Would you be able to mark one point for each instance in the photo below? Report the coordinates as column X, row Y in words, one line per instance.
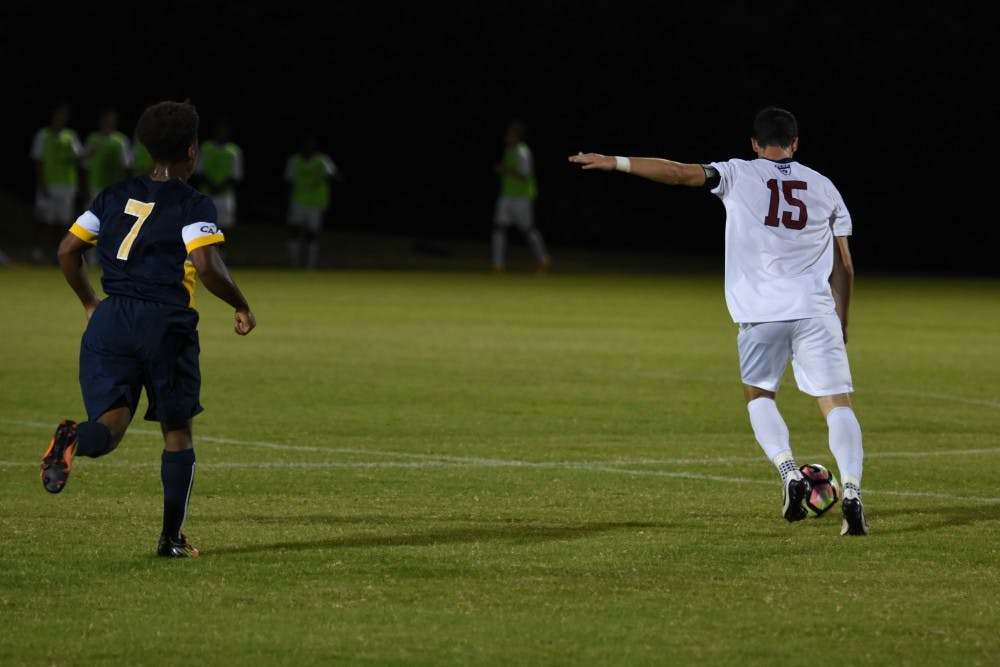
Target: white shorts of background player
column 57, row 207
column 517, row 211
column 225, row 205
column 815, row 346
column 308, row 218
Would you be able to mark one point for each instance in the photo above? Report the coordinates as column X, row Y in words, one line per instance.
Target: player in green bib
column 142, row 161
column 56, row 152
column 220, row 169
column 108, row 155
column 515, row 205
column 309, row 172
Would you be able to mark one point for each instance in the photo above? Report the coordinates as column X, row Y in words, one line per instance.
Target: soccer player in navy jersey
column 154, row 234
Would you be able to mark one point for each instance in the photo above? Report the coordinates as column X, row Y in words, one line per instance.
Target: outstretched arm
column 214, row 274
column 655, row 169
column 74, row 269
column 842, row 280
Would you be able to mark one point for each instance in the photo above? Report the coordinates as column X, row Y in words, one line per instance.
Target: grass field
column 419, row 468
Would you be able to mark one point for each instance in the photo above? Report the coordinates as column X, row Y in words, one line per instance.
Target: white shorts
column 309, row 218
column 815, row 346
column 225, row 206
column 57, row 207
column 514, row 211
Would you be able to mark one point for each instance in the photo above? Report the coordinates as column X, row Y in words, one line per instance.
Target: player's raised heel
column 173, row 548
column 854, row 517
column 58, row 458
column 794, row 508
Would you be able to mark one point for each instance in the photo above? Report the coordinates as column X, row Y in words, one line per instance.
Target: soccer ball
column 824, row 490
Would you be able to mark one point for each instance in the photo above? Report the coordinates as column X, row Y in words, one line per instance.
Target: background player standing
column 789, row 279
column 108, row 155
column 220, row 165
column 56, row 152
column 516, row 202
column 142, row 161
column 154, row 233
column 309, row 172
column 107, row 160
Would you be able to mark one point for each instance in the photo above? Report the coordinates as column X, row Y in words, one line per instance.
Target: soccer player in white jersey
column 789, row 279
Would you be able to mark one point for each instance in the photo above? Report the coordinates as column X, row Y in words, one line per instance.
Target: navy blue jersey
column 144, row 231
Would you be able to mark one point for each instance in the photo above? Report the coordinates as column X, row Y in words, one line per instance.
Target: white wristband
column 623, row 164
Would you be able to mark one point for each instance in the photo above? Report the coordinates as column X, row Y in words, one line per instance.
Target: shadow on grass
column 920, row 519
column 512, row 533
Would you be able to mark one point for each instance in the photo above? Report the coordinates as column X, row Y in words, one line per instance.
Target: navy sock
column 93, row 439
column 177, row 474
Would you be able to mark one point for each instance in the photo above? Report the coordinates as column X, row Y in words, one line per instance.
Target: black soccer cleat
column 173, row 548
column 854, row 517
column 795, row 492
column 58, row 458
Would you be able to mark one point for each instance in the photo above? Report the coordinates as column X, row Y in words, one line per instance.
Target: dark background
column 411, row 99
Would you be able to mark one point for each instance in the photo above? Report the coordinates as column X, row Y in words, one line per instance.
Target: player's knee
column 177, row 435
column 751, row 393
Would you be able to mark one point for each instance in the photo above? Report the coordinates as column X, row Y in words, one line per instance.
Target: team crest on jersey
column 785, row 169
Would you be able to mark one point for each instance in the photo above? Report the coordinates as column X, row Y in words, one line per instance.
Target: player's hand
column 245, row 321
column 594, row 161
column 90, row 308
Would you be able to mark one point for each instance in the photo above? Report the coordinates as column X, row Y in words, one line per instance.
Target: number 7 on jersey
column 141, row 210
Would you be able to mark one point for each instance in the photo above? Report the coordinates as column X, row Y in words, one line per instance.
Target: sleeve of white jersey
column 88, row 151
column 237, row 164
column 77, row 146
column 726, row 175
column 524, row 162
column 840, row 219
column 126, row 153
column 38, row 146
column 329, row 166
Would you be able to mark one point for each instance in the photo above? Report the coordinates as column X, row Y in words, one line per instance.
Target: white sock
column 499, row 247
column 312, row 254
column 537, row 245
column 772, row 435
column 294, row 252
column 845, row 443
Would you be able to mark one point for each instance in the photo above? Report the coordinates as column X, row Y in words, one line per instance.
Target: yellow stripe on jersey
column 83, row 234
column 202, row 241
column 188, row 281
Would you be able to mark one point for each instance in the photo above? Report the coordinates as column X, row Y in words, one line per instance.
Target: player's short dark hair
column 520, row 127
column 775, row 127
column 167, row 130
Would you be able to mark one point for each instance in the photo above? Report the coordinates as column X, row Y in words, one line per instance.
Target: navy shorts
column 130, row 344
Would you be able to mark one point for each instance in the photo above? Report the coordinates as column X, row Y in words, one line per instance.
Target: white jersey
column 781, row 218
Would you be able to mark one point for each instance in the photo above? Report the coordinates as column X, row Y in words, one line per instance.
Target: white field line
column 508, row 463
column 941, row 397
column 429, row 461
column 424, row 465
